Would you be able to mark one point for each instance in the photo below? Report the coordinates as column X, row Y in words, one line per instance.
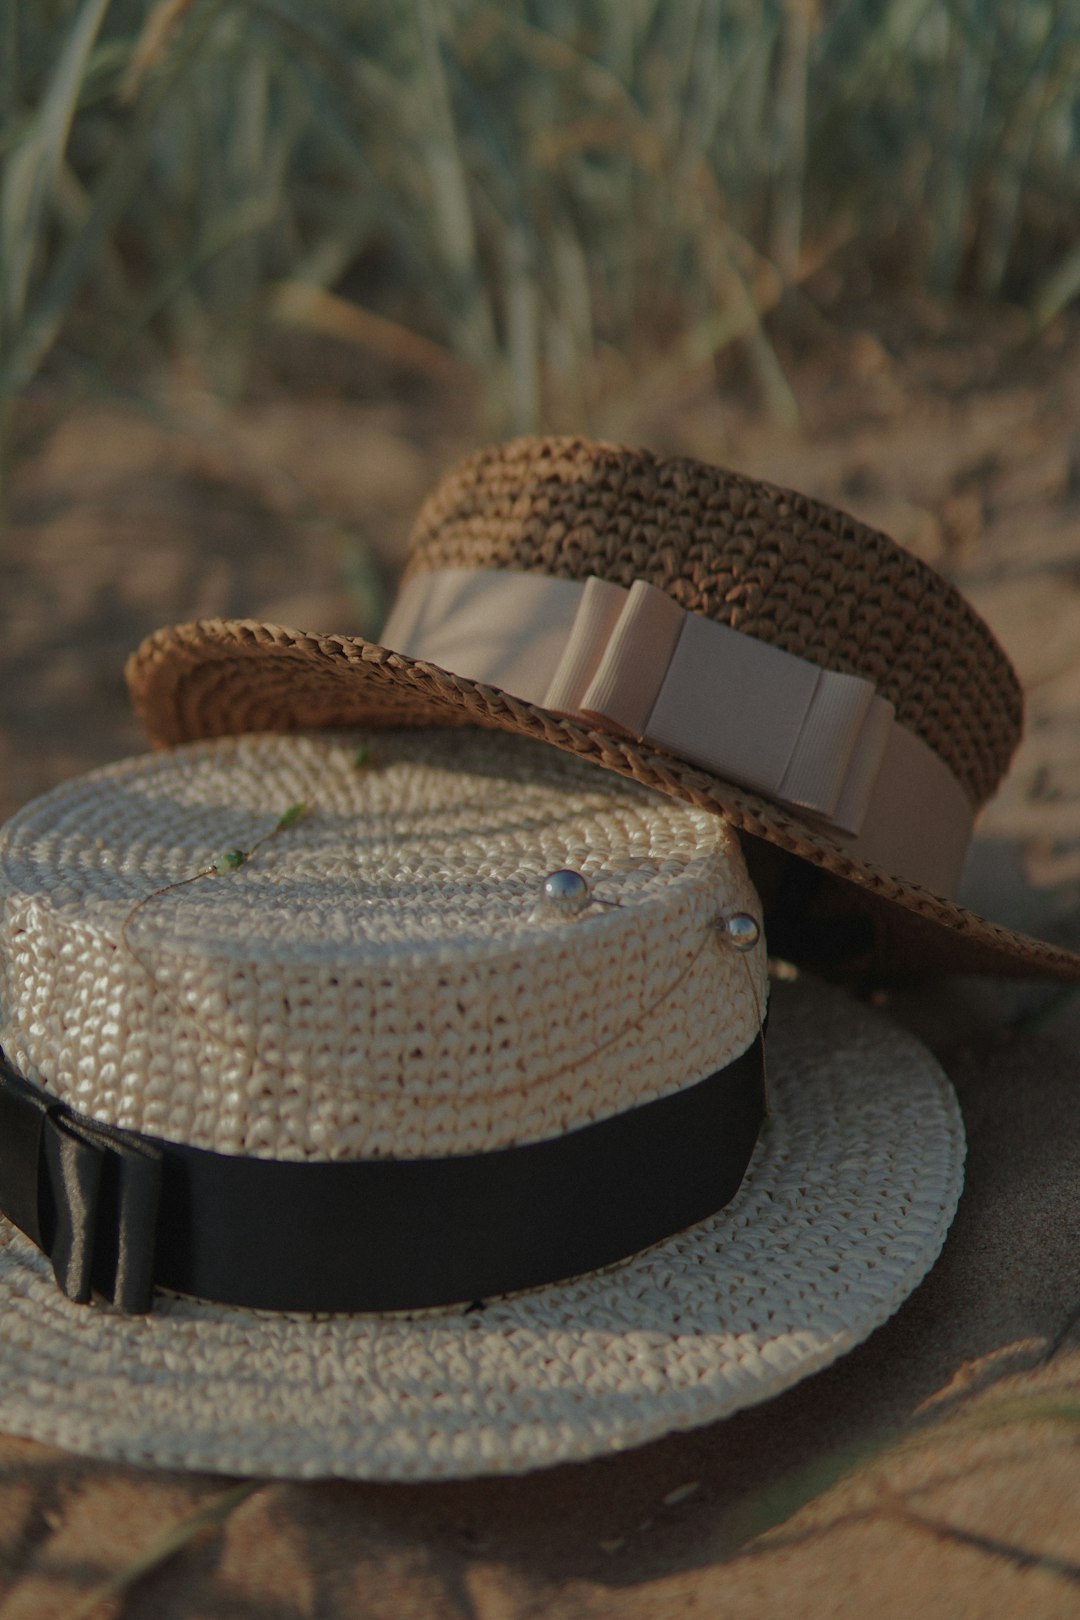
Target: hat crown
column 382, row 979
column 777, row 565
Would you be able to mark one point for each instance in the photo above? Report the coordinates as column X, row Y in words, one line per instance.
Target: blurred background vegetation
column 560, row 198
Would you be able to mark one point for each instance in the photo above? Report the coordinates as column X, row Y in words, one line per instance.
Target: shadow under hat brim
column 217, row 678
column 844, row 1209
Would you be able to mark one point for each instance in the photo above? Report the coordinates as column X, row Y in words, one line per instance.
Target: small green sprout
column 235, row 858
column 230, row 860
column 361, row 756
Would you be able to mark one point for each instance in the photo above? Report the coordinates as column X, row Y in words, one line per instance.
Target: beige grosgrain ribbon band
column 635, row 662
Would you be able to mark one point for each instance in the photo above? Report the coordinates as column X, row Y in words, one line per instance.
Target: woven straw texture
column 383, row 976
column 771, row 563
column 767, row 561
column 843, row 1211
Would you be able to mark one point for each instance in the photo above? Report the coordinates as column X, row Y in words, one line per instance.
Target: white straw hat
column 438, row 1095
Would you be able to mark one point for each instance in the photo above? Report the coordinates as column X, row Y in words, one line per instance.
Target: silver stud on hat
column 742, row 930
column 568, row 893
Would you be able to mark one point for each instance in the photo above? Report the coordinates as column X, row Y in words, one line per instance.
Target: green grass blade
column 32, row 166
column 31, row 342
column 165, row 1546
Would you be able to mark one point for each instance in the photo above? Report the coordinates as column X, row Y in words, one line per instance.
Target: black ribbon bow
column 85, row 1193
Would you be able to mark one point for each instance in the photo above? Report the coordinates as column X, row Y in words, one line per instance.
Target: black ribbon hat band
column 120, row 1214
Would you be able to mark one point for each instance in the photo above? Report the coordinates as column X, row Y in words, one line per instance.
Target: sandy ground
column 963, row 441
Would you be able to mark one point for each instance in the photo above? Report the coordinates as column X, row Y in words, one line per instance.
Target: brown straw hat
column 736, row 645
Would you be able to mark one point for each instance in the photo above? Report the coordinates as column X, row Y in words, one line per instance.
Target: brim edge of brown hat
column 225, row 652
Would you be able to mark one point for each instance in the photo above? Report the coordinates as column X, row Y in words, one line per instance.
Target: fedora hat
column 394, row 1112
column 735, row 645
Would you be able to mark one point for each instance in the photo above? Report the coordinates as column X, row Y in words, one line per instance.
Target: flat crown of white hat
column 382, row 977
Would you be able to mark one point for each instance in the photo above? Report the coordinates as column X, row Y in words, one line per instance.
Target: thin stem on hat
column 569, row 1068
column 230, row 860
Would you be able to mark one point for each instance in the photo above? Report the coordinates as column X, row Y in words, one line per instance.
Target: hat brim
column 217, row 678
column 844, row 1209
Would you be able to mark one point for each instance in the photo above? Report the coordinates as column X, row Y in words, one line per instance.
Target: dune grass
column 557, row 195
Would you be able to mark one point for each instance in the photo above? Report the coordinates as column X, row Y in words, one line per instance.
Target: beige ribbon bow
column 634, row 661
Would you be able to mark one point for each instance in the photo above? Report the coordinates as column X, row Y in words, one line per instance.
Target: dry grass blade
column 1029, row 1409
column 296, row 303
column 165, row 1546
column 773, row 1505
column 152, row 43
